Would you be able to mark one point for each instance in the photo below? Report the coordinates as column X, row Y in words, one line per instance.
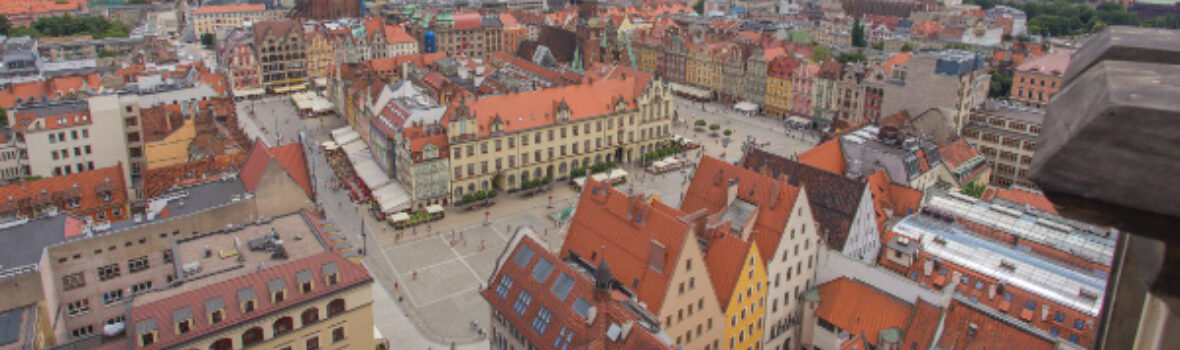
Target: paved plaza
column 429, row 276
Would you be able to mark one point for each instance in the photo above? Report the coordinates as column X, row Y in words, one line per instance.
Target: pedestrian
column 414, row 275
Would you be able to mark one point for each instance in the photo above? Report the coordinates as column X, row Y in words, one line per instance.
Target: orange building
column 1037, row 80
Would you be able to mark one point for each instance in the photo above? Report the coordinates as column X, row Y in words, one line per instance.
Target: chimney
column 732, row 191
column 928, row 267
column 991, row 292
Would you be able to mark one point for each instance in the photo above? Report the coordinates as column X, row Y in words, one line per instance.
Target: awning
column 691, row 91
column 392, row 197
column 371, row 174
column 617, row 174
column 434, row 209
column 799, row 120
column 344, row 135
column 580, row 182
column 399, row 217
column 321, row 81
column 600, row 177
column 286, row 89
column 248, row 92
column 746, row 106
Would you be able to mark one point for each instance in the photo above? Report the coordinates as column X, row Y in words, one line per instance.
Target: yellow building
column 320, row 55
column 500, row 142
column 167, row 134
column 738, row 276
column 208, row 19
column 648, row 56
column 778, row 86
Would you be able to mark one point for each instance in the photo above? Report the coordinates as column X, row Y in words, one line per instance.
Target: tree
column 880, row 45
column 3, row 118
column 207, row 40
column 727, row 132
column 848, row 57
column 5, row 25
column 858, row 34
column 700, row 123
column 1162, row 21
column 1001, row 85
column 715, row 127
column 973, row 189
column 907, row 47
column 699, row 7
column 820, row 53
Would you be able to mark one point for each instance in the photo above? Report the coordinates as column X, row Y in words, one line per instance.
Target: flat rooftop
column 227, row 254
column 22, row 244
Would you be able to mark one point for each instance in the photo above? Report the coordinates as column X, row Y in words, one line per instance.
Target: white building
column 68, row 137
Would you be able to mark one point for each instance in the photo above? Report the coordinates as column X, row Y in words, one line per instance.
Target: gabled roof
column 161, row 121
column 774, row 199
column 990, row 332
column 891, row 197
column 834, row 198
column 924, row 323
column 957, row 153
column 569, row 294
column 1021, row 196
column 623, row 230
column 725, row 257
column 1053, row 64
column 896, row 60
column 826, row 156
column 289, row 157
column 396, row 34
column 858, row 308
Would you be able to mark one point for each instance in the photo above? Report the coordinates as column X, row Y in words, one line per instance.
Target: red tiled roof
column 395, row 34
column 826, row 156
column 156, row 181
column 896, row 60
column 725, row 258
column 923, row 326
column 1052, row 64
column 890, row 197
column 623, row 231
column 161, row 121
column 956, row 153
column 289, row 157
column 87, row 187
column 52, row 89
column 536, row 108
column 508, row 20
column 774, row 199
column 989, row 333
column 1017, row 195
column 858, row 308
column 608, row 307
column 467, row 20
column 160, row 311
column 26, row 7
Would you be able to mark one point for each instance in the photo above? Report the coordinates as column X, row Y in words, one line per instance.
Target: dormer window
column 305, row 281
column 247, row 299
column 278, row 290
column 216, row 310
column 146, row 331
column 330, row 271
column 183, row 320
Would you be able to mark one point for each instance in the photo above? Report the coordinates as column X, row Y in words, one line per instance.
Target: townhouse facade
column 210, row 19
column 1035, row 81
column 282, row 54
column 1007, row 135
column 503, row 141
column 70, row 137
column 953, row 79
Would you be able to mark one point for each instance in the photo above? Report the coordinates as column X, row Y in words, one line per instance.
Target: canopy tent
column 392, row 197
column 617, row 174
column 691, row 91
column 371, row 174
column 399, row 217
column 286, row 89
column 434, row 209
column 321, row 105
column 600, row 177
column 345, row 135
column 746, row 106
column 794, row 119
column 580, row 182
column 330, row 145
column 248, row 92
column 303, row 101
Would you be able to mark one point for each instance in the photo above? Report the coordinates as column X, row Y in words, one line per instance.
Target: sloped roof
column 467, row 20
column 774, row 199
column 889, row 196
column 396, row 34
column 919, row 334
column 84, row 186
column 161, row 311
column 52, row 88
column 156, row 181
column 896, row 60
column 858, row 308
column 508, row 20
column 990, row 333
column 1021, row 196
column 956, row 153
column 1052, row 64
column 826, row 156
column 161, row 121
column 531, row 109
column 834, row 198
column 725, row 257
column 606, row 225
column 289, row 157
column 230, row 8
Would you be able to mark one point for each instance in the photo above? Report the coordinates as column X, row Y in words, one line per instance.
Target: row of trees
column 95, row 26
column 1066, row 18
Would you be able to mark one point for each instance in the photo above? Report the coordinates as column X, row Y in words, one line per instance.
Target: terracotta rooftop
column 566, row 291
column 288, row 157
column 896, row 60
column 956, row 153
column 834, row 198
column 526, row 110
column 725, row 257
column 23, row 7
column 774, row 199
column 890, row 199
column 923, row 326
column 1052, row 64
column 826, row 156
column 52, row 88
column 156, row 181
column 858, row 308
column 1021, row 196
column 161, row 121
column 624, row 231
column 92, row 191
column 967, row 327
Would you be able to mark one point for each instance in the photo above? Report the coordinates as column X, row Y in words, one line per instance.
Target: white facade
column 864, row 242
column 12, row 159
column 789, row 273
column 93, row 140
column 402, row 48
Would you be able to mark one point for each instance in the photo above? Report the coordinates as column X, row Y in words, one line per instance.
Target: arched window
column 511, row 181
column 335, row 307
column 524, row 176
column 252, row 336
column 283, row 325
column 310, row 316
column 222, row 344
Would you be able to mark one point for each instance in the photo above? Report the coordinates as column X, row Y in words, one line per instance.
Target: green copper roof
column 892, row 335
column 811, row 295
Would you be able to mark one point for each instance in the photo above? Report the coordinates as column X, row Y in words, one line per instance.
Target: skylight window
column 542, row 270
column 523, row 255
column 562, row 287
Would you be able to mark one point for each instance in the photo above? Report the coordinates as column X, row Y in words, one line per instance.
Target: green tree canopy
column 699, row 7
column 858, row 34
column 1001, row 86
column 907, row 47
column 848, row 57
column 820, row 53
column 95, row 26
